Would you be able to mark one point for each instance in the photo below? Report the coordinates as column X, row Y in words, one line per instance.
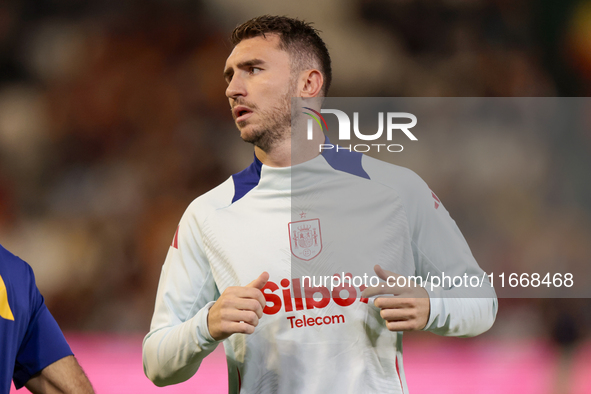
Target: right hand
column 238, row 309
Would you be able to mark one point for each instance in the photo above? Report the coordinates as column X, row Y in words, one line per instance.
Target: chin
column 248, row 134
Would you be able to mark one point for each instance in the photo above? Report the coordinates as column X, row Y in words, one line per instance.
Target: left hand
column 407, row 310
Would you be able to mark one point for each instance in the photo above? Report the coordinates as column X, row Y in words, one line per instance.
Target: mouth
column 241, row 113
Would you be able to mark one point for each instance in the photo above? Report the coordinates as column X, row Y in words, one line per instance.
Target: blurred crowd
column 113, row 119
column 112, row 122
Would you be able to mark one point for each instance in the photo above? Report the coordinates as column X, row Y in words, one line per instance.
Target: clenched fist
column 238, row 309
column 407, row 308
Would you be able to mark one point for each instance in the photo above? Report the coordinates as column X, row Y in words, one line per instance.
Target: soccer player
column 229, row 273
column 33, row 350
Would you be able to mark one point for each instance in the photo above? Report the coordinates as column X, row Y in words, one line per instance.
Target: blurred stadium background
column 113, row 118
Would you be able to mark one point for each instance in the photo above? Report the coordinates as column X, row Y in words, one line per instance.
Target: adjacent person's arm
column 44, row 361
column 64, row 376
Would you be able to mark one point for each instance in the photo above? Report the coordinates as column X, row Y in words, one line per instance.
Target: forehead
column 264, row 48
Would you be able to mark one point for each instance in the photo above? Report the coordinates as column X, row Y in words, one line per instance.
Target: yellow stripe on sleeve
column 5, row 311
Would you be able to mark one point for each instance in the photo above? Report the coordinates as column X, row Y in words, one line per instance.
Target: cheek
column 279, row 85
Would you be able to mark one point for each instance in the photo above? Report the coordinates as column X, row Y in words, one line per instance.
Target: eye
column 254, row 70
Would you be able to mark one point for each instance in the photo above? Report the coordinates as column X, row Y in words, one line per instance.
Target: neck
column 287, row 153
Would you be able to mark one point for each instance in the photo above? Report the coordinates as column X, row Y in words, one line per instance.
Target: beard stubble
column 276, row 124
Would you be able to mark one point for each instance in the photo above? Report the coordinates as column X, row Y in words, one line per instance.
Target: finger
column 245, row 293
column 396, row 314
column 380, row 289
column 383, row 289
column 236, row 316
column 406, row 325
column 248, row 304
column 231, row 296
column 384, row 274
column 259, row 282
column 247, row 317
column 394, row 302
column 255, row 294
column 240, row 328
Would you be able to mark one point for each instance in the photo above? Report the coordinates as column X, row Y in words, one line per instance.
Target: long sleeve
column 439, row 249
column 179, row 338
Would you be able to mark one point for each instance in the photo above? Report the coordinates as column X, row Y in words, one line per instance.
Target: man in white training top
column 230, row 275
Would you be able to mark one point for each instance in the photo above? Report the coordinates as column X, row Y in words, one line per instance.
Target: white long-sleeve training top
column 341, row 212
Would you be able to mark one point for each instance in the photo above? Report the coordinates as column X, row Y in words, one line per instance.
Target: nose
column 235, row 88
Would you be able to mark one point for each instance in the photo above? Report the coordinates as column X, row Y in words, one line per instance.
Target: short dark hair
column 298, row 38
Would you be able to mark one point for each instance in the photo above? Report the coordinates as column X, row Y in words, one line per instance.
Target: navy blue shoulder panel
column 345, row 160
column 247, row 179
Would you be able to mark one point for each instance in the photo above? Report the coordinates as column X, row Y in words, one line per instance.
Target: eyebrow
column 245, row 64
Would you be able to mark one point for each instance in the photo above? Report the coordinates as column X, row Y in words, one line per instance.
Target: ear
column 311, row 83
